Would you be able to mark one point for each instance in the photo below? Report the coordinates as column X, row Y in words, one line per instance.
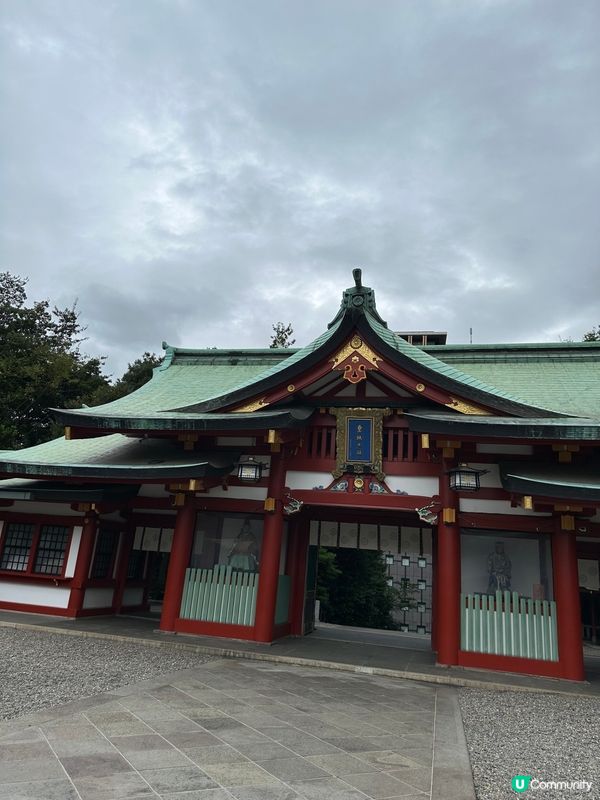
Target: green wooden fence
column 221, row 594
column 282, row 606
column 509, row 625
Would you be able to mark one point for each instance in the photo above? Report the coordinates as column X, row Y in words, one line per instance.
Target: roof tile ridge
column 437, row 365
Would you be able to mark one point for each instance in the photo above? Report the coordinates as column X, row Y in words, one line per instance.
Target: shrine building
column 473, row 469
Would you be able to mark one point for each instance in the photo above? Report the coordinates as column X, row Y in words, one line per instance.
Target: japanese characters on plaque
column 359, row 440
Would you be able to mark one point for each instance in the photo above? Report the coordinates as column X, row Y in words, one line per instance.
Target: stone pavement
column 405, row 656
column 247, row 730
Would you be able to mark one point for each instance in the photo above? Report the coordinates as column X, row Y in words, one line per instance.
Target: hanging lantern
column 250, row 471
column 464, row 478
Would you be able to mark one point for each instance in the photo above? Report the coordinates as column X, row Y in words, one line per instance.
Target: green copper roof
column 564, row 376
column 188, row 376
column 561, row 481
column 115, row 456
column 523, row 381
column 295, row 357
column 271, row 417
column 531, row 428
column 438, row 366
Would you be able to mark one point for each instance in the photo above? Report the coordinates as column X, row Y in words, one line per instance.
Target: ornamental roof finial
column 358, row 300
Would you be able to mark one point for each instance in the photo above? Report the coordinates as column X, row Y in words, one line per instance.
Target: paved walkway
column 246, row 730
column 352, row 649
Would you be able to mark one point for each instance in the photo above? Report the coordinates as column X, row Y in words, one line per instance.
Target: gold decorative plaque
column 359, row 437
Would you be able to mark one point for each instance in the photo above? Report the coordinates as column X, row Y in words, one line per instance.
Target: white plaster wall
column 98, row 597
column 73, row 551
column 239, row 492
column 490, row 479
column 496, row 507
column 115, row 516
column 505, row 449
column 49, row 509
column 424, row 486
column 133, row 596
column 37, row 594
column 152, row 490
column 296, row 479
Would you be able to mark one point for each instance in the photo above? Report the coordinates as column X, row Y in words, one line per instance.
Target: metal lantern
column 465, row 479
column 250, row 471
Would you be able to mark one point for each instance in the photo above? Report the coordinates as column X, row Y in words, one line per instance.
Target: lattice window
column 17, row 546
column 51, row 550
column 135, row 566
column 103, row 557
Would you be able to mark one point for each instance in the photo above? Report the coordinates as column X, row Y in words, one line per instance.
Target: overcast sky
column 195, row 171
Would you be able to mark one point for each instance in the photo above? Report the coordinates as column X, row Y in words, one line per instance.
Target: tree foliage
column 41, row 365
column 137, row 374
column 282, row 336
column 356, row 592
column 593, row 335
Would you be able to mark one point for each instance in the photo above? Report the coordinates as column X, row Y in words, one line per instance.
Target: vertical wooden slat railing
column 509, row 625
column 221, row 594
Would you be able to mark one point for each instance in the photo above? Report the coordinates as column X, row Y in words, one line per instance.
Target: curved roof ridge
column 440, row 367
column 294, row 358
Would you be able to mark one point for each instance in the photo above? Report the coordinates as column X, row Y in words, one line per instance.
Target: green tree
column 327, row 573
column 359, row 594
column 41, row 365
column 137, row 374
column 282, row 335
column 593, row 335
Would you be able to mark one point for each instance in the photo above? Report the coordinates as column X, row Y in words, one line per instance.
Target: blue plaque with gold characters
column 359, row 440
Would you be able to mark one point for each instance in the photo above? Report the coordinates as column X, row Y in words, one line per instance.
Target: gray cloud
column 195, row 171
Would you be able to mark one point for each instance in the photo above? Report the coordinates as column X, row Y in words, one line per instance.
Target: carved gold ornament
column 255, row 405
column 466, row 408
column 355, row 359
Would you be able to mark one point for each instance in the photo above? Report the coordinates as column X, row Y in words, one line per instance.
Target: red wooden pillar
column 183, row 539
column 434, row 590
column 300, row 554
column 83, row 563
column 448, row 581
column 568, row 609
column 125, row 549
column 270, row 554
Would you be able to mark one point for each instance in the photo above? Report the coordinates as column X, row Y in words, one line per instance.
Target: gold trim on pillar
column 449, row 516
column 567, row 522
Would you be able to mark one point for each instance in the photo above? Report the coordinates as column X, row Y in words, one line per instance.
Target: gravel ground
column 39, row 670
column 550, row 737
